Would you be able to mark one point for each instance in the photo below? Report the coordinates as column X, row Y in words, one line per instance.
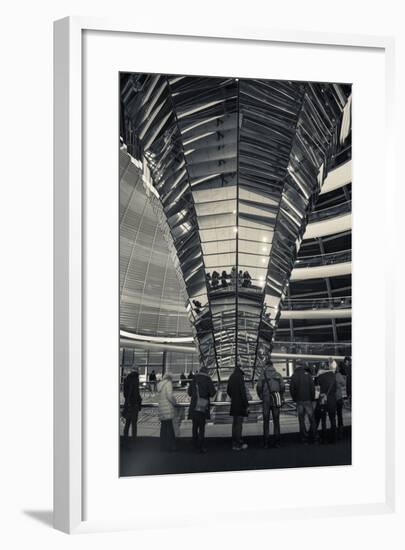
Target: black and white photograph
column 235, row 274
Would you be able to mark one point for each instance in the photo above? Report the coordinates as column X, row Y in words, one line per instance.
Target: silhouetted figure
column 326, row 404
column 201, row 389
column 183, row 380
column 190, row 376
column 247, row 279
column 236, row 390
column 198, row 306
column 240, row 277
column 215, row 280
column 132, row 405
column 340, row 395
column 224, row 282
column 270, row 389
column 153, row 381
column 234, row 277
column 347, row 371
column 302, row 390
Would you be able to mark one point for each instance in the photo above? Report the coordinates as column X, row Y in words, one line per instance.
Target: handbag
column 201, row 403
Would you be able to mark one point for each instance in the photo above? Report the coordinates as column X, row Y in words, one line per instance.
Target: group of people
column 225, row 280
column 185, row 378
column 317, row 396
column 320, row 398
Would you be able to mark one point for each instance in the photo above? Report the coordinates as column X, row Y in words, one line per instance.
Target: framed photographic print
column 212, row 277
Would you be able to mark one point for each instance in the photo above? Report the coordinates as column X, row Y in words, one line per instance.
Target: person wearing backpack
column 201, row 389
column 326, row 403
column 302, row 390
column 270, row 389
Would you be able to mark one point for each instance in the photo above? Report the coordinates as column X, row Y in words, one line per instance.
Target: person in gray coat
column 167, row 411
column 270, row 389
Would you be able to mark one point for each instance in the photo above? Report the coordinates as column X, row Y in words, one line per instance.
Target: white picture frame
column 69, row 208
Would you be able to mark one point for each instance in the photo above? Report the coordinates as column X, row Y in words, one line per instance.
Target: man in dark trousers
column 132, row 406
column 239, row 407
column 202, row 387
column 326, row 404
column 347, row 371
column 302, row 390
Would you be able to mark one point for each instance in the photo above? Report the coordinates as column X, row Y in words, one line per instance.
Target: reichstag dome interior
column 235, row 236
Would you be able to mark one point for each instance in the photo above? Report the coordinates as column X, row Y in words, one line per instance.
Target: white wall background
column 26, row 274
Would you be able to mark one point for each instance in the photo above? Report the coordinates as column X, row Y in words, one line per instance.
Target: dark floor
column 146, row 458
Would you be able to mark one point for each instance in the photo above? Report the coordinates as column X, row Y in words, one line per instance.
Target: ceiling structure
column 232, row 170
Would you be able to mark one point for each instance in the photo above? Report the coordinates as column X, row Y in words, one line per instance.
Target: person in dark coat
column 270, row 389
column 153, row 381
column 132, row 405
column 302, row 390
column 347, row 371
column 236, row 390
column 206, row 389
column 326, row 404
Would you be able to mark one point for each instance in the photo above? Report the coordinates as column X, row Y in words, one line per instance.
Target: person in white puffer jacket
column 167, row 412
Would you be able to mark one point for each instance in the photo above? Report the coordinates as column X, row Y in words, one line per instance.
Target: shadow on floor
column 43, row 516
column 145, row 458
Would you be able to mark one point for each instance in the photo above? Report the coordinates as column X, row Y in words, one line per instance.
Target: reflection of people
column 240, row 277
column 215, row 279
column 132, row 404
column 270, row 389
column 234, row 276
column 239, row 407
column 302, row 391
column 200, row 390
column 224, row 276
column 198, row 306
column 166, row 403
column 247, row 279
column 183, row 380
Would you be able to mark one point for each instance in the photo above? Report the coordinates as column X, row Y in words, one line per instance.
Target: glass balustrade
column 331, row 212
column 324, row 259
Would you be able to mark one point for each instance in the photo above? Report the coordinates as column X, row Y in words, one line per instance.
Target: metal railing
column 338, row 302
column 331, row 212
column 324, row 259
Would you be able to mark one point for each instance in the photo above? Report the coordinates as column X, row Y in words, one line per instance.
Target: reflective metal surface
column 233, row 168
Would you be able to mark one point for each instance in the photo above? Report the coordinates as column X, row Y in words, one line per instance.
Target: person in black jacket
column 347, row 371
column 326, row 404
column 202, row 386
column 302, row 390
column 132, row 405
column 153, row 381
column 239, row 407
